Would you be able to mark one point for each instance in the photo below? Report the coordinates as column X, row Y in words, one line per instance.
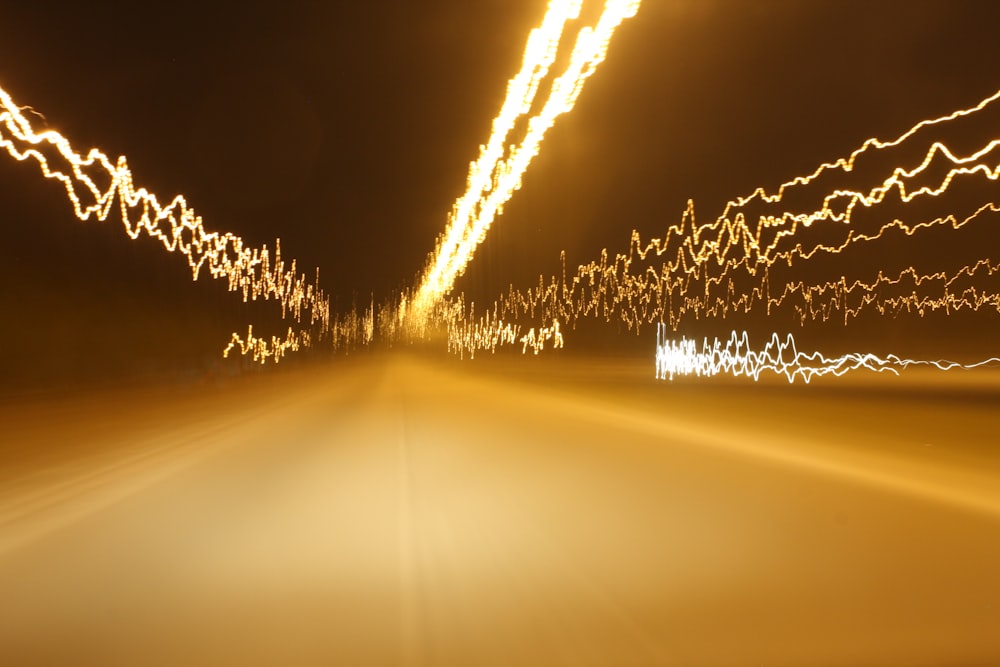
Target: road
column 402, row 510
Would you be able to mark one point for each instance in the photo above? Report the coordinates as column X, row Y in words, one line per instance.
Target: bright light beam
column 723, row 267
column 253, row 272
column 737, row 357
column 493, row 178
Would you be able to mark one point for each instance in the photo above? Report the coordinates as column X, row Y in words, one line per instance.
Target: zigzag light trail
column 724, row 266
column 909, row 291
column 765, row 434
column 494, row 177
column 737, row 357
column 539, row 56
column 492, row 180
column 712, row 269
column 253, row 272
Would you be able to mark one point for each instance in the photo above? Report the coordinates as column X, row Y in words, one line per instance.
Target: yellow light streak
column 264, row 349
column 724, row 266
column 537, row 341
column 714, row 269
column 255, row 273
column 737, row 357
column 498, row 173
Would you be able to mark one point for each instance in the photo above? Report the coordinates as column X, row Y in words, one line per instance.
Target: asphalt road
column 401, row 510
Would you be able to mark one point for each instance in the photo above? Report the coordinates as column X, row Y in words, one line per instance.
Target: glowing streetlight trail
column 267, row 348
column 494, row 177
column 254, row 272
column 492, row 180
column 539, row 55
column 737, row 357
column 715, row 269
column 726, row 266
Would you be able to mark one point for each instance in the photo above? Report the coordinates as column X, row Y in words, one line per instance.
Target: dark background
column 346, row 129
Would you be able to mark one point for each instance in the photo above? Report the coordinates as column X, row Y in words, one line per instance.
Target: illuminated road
column 401, row 511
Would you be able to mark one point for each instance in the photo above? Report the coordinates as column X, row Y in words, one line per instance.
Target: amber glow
column 497, row 174
column 696, row 270
column 762, row 430
column 263, row 349
column 95, row 185
column 727, row 266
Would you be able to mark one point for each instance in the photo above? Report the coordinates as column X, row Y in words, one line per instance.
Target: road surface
column 403, row 510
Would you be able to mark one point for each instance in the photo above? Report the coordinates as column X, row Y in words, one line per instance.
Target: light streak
column 264, row 349
column 497, row 173
column 495, row 335
column 256, row 273
column 716, row 269
column 537, row 341
column 736, row 356
column 486, row 334
column 728, row 265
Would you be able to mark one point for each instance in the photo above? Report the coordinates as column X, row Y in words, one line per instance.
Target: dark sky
column 346, row 129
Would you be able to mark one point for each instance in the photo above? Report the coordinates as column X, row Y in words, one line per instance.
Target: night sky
column 346, row 129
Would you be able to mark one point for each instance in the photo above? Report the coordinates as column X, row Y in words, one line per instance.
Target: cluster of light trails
column 490, row 335
column 743, row 261
column 736, row 356
column 95, row 185
column 496, row 174
column 268, row 348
